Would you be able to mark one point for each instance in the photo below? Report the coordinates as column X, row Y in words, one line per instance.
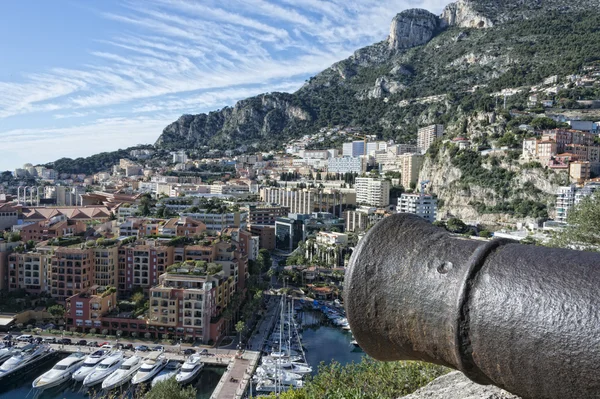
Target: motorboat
column 267, row 372
column 89, row 364
column 24, row 357
column 60, row 373
column 190, row 369
column 355, row 343
column 170, row 371
column 123, row 374
column 105, row 368
column 6, row 353
column 267, row 385
column 292, row 367
column 273, row 360
column 152, row 365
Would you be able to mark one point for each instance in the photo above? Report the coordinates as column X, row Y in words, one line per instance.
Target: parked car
column 204, row 352
column 103, row 343
column 8, row 337
column 49, row 340
column 106, row 345
column 128, row 347
column 65, row 341
column 38, row 340
column 188, row 352
column 141, row 348
column 24, row 337
column 93, row 344
column 159, row 348
column 82, row 342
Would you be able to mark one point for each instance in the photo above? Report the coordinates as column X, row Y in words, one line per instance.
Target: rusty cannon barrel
column 523, row 318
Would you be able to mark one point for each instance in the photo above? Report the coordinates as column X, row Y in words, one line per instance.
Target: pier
column 233, row 383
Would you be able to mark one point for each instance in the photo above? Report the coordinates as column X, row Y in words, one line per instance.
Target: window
column 79, row 305
column 79, row 313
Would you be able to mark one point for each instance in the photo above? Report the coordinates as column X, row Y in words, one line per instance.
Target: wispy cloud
column 189, row 56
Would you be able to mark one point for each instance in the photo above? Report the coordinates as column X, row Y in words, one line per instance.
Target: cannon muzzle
column 520, row 317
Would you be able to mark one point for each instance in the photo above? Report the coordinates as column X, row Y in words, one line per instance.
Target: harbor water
column 325, row 342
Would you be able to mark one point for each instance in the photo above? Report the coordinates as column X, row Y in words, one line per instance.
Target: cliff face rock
column 251, row 119
column 463, row 14
column 456, row 386
column 412, row 28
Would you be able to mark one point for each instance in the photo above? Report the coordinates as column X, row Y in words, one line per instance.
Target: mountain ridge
column 394, row 68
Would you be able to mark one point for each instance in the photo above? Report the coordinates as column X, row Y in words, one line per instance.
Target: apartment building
column 565, row 199
column 410, row 166
column 304, row 201
column 265, row 234
column 215, row 222
column 72, row 272
column 427, row 135
column 8, row 216
column 56, row 227
column 266, row 215
column 185, row 303
column 140, row 265
column 106, row 263
column 182, row 227
column 85, row 310
column 353, row 149
column 374, row 192
column 580, row 171
column 29, row 271
column 348, row 164
column 421, row 205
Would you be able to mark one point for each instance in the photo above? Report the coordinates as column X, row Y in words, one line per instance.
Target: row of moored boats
column 106, row 368
column 284, row 364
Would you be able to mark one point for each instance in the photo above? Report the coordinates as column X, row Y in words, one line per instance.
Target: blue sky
column 81, row 77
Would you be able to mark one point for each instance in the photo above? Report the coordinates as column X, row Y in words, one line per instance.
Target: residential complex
column 421, row 205
column 427, row 135
column 374, row 192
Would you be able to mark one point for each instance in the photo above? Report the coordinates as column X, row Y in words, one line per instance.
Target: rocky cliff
column 463, row 14
column 412, row 28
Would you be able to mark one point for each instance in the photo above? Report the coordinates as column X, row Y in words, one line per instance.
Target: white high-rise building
column 427, row 135
column 354, row 149
column 421, row 205
column 179, row 157
column 372, row 192
column 569, row 196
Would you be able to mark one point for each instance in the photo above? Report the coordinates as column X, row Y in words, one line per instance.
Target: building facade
column 421, row 205
column 427, row 135
column 374, row 192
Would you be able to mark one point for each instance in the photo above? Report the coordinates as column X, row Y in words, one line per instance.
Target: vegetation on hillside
column 368, row 379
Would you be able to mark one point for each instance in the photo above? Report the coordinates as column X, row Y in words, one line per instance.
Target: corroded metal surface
column 524, row 318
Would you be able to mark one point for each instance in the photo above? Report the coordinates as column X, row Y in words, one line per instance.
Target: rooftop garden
column 195, row 268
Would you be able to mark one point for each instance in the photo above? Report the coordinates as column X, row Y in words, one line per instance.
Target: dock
column 233, row 383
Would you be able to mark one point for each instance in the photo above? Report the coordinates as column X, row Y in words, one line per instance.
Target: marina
column 290, row 343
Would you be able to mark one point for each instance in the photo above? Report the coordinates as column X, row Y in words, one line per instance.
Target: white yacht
column 60, row 373
column 170, row 371
column 89, row 364
column 153, row 364
column 104, row 369
column 292, row 367
column 270, row 386
column 190, row 369
column 271, row 373
column 6, row 352
column 124, row 374
column 24, row 357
